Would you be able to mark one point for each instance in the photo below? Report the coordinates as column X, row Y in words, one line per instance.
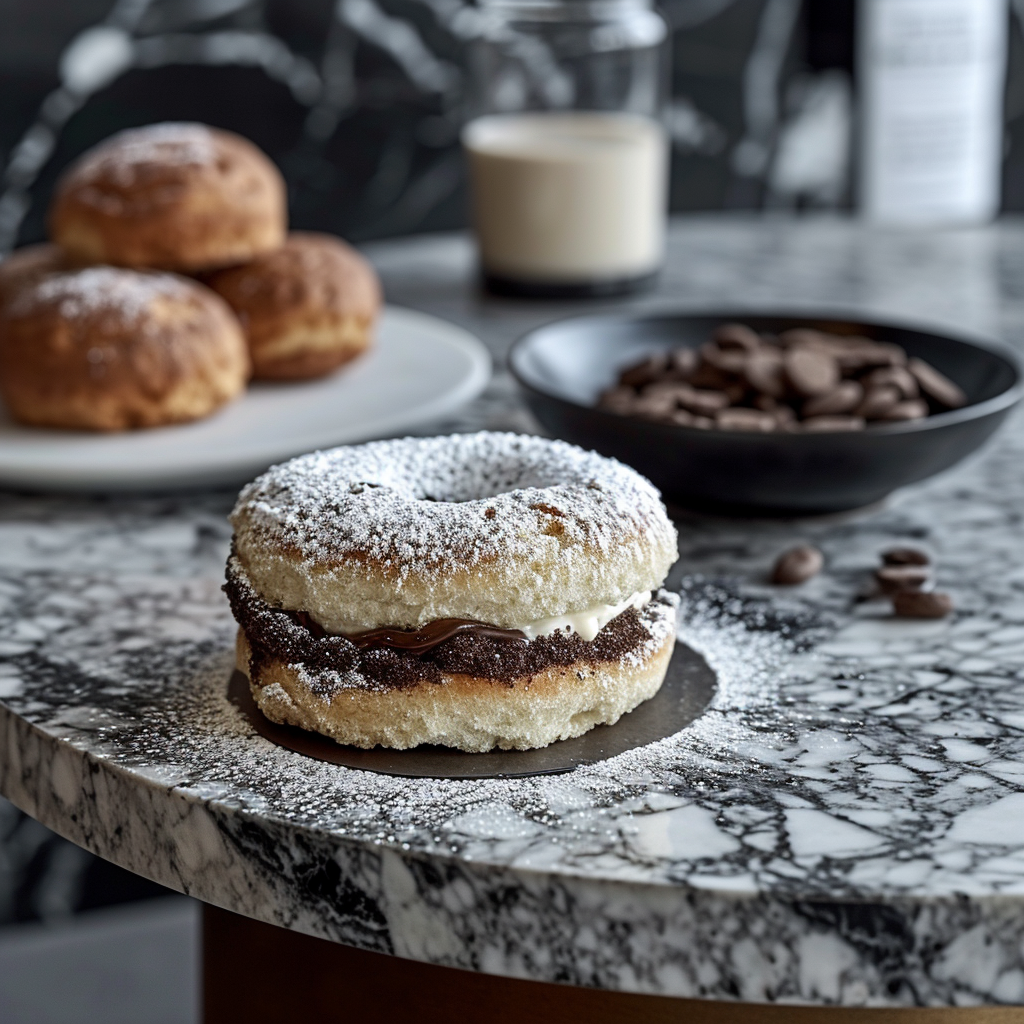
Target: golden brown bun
column 467, row 712
column 109, row 349
column 27, row 265
column 172, row 196
column 306, row 308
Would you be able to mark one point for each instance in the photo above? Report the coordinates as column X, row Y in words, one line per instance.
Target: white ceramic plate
column 420, row 368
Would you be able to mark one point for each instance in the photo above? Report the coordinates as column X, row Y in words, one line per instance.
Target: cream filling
column 587, row 623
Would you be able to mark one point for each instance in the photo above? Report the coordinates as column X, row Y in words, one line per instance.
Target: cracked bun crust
column 110, row 349
column 170, row 196
column 498, row 528
column 306, row 308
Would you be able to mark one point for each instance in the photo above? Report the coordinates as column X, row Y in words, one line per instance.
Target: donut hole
column 464, row 476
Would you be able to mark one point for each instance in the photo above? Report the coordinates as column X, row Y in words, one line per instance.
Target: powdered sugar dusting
column 81, row 293
column 541, row 527
column 171, row 144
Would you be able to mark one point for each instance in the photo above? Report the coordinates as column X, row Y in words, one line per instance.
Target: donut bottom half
column 468, row 712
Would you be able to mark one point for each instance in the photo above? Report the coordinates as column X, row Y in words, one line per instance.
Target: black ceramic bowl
column 565, row 366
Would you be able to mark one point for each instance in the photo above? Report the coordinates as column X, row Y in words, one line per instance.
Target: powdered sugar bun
column 110, row 349
column 173, row 196
column 498, row 528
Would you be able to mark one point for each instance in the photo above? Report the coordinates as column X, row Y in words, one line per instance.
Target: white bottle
column 930, row 78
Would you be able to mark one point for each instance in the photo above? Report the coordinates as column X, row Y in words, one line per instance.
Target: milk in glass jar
column 567, row 155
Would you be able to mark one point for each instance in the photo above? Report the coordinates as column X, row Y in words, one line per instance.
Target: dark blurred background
column 359, row 102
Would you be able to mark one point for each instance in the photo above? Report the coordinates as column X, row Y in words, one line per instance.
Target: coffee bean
column 905, row 556
column 878, row 401
column 703, row 422
column 797, row 565
column 913, row 409
column 643, row 373
column 894, row 578
column 920, row 604
column 810, row 372
column 936, row 385
column 829, row 424
column 897, row 376
column 845, row 397
column 745, row 419
column 703, row 402
column 763, row 372
column 737, row 336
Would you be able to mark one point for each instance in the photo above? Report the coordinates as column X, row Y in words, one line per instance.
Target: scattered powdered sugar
column 501, row 528
column 423, row 503
column 79, row 293
column 195, row 725
column 174, row 144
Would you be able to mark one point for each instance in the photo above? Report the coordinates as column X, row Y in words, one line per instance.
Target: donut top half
column 515, row 531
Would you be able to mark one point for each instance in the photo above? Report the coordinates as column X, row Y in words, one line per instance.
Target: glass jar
column 567, row 154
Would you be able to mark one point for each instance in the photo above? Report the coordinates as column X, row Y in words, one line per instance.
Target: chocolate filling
column 415, row 641
column 294, row 638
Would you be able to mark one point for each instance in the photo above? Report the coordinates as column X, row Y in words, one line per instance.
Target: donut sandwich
column 475, row 591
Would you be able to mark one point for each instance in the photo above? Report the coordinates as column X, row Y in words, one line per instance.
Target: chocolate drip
column 413, row 641
column 418, row 641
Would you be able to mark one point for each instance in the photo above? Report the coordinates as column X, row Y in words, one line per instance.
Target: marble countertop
column 844, row 825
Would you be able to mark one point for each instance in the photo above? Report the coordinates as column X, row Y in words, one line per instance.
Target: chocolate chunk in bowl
column 834, row 461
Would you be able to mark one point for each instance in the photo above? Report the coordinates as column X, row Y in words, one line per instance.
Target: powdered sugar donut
column 477, row 590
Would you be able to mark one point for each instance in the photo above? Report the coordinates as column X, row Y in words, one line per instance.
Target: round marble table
column 843, row 827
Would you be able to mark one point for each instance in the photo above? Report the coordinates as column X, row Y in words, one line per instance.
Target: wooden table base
column 259, row 974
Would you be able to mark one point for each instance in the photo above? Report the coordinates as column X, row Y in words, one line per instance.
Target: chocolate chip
column 682, row 362
column 803, row 336
column 894, row 578
column 844, row 397
column 681, row 418
column 741, row 380
column 827, row 424
column 810, row 372
column 913, row 409
column 731, row 360
column 897, row 376
column 905, row 556
column 936, row 385
column 703, row 402
column 745, row 419
column 654, row 406
column 708, row 376
column 737, row 336
column 797, row 565
column 643, row 373
column 863, row 353
column 920, row 604
column 763, row 372
column 878, row 401
column 619, row 400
